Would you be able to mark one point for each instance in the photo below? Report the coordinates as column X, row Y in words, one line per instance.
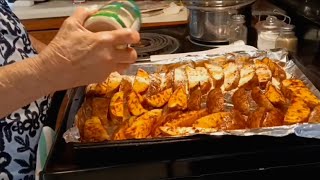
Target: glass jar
column 268, row 31
column 238, row 31
column 287, row 39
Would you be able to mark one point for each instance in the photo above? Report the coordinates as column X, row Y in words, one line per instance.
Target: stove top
column 155, row 44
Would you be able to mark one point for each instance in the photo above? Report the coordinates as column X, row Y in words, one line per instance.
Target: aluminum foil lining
column 306, row 130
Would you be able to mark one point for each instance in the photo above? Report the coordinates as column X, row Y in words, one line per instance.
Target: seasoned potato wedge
column 179, row 99
column 187, row 119
column 261, row 99
column 216, row 73
column 141, row 81
column 134, row 104
column 194, row 101
column 205, row 80
column 256, row 118
column 193, row 78
column 276, row 70
column 120, row 133
column 298, row 112
column 275, row 96
column 100, row 107
column 126, row 84
column 273, row 118
column 296, row 89
column 169, row 79
column 163, row 120
column 94, row 131
column 180, row 79
column 142, row 126
column 215, row 101
column 236, row 122
column 243, row 60
column 155, row 84
column 221, row 61
column 231, row 76
column 96, row 90
column 160, row 99
column 117, row 105
column 263, row 72
column 243, row 102
column 247, row 75
column 215, row 120
column 112, row 84
column 315, row 115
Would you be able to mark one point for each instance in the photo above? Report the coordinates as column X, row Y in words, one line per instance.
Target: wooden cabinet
column 43, row 29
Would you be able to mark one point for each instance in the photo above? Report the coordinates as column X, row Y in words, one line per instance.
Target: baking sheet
column 302, row 130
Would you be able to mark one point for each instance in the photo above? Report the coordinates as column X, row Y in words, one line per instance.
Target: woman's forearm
column 21, row 83
column 38, row 45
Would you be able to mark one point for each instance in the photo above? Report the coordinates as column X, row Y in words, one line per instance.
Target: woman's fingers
column 119, row 37
column 81, row 14
column 124, row 56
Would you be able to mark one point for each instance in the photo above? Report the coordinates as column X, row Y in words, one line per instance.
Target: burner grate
column 155, row 44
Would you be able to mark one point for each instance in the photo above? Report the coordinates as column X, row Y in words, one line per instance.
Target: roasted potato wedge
column 193, row 78
column 134, row 104
column 315, row 115
column 126, row 84
column 194, row 101
column 243, row 60
column 169, row 79
column 264, row 73
column 187, row 119
column 96, row 90
column 179, row 99
column 108, row 87
column 243, row 101
column 100, row 107
column 298, row 112
column 141, row 81
column 216, row 73
column 143, row 125
column 155, row 84
column 94, row 131
column 180, row 79
column 231, row 76
column 215, row 120
column 256, row 118
column 215, row 101
column 276, row 70
column 296, row 89
column 275, row 96
column 273, row 118
column 163, row 120
column 160, row 99
column 221, row 61
column 261, row 99
column 206, row 82
column 236, row 122
column 120, row 133
column 247, row 75
column 289, row 83
column 117, row 105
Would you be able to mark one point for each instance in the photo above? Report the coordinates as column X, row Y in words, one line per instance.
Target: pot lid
column 217, row 3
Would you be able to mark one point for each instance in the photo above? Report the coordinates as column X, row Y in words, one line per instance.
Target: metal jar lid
column 211, row 5
column 271, row 23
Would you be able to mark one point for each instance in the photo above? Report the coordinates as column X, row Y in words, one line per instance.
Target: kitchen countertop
column 53, row 9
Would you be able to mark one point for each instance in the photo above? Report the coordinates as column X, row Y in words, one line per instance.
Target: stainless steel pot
column 209, row 19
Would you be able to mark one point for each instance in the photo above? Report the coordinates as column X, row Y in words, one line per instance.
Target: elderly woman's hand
column 82, row 57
